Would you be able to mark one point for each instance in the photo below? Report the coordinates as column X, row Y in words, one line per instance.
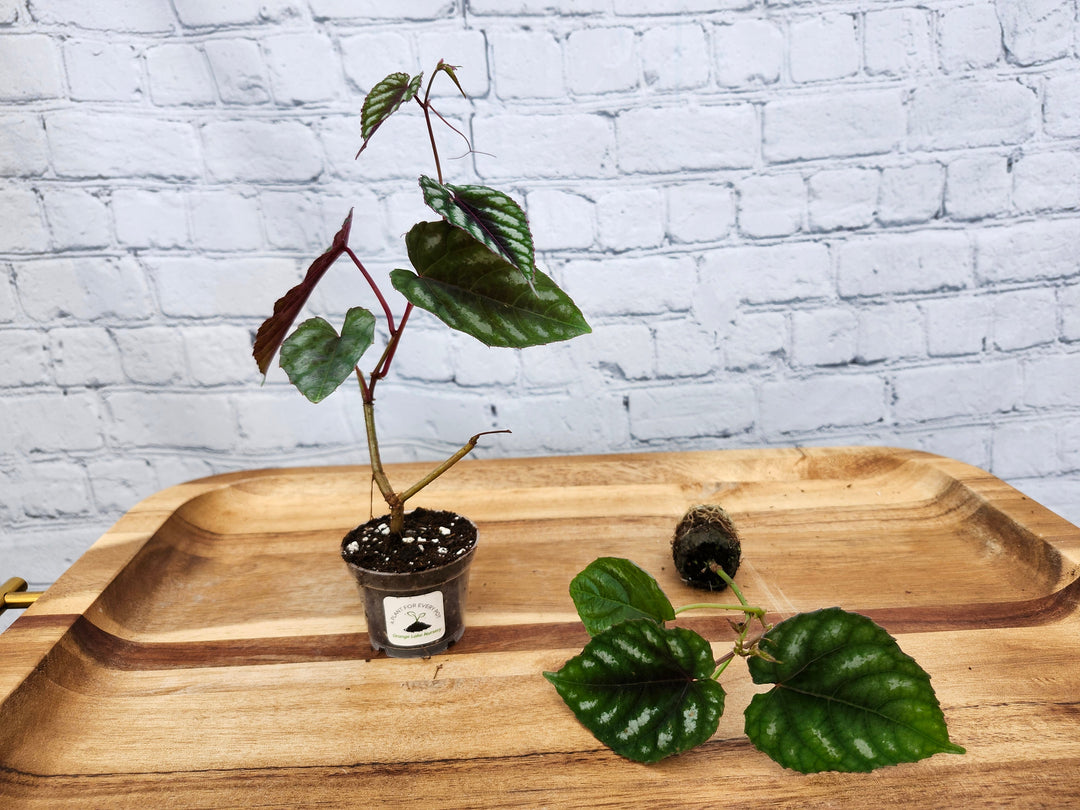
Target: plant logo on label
column 414, row 620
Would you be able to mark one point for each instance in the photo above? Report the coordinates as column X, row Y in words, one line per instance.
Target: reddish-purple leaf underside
column 274, row 329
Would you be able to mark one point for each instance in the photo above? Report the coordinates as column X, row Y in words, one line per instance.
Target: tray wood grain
column 210, row 648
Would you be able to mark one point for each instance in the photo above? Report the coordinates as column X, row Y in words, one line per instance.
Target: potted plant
column 475, row 270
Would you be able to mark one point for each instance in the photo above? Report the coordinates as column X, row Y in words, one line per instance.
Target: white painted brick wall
column 969, row 37
column 867, row 209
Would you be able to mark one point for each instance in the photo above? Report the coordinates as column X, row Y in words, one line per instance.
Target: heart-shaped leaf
column 612, row 590
column 273, row 330
column 846, row 697
column 383, row 100
column 643, row 690
column 478, row 293
column 490, row 216
column 318, row 361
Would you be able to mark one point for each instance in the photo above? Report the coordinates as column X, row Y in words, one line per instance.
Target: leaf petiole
column 743, row 608
column 720, row 572
column 374, row 287
column 721, row 665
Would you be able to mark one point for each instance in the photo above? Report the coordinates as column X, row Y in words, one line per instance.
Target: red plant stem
column 464, row 137
column 434, row 150
column 374, row 288
column 391, row 349
column 426, row 107
column 382, row 368
column 365, row 392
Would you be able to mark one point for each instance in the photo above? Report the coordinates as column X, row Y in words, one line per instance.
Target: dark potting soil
column 431, row 538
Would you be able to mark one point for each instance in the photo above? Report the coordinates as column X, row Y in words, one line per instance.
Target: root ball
column 705, row 539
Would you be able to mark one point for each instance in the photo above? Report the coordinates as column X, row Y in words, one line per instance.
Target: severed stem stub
column 705, row 540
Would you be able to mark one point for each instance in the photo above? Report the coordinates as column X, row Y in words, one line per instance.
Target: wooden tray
column 210, row 651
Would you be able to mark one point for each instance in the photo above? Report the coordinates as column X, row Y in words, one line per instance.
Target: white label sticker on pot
column 414, row 620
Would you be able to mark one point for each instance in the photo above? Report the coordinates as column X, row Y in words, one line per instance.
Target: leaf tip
column 451, row 71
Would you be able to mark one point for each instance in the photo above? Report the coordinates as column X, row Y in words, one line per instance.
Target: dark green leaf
column 490, row 216
column 383, row 100
column 846, row 697
column 644, row 690
column 273, row 330
column 611, row 590
column 476, row 292
column 318, row 361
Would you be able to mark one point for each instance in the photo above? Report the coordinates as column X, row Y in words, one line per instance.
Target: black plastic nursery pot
column 415, row 614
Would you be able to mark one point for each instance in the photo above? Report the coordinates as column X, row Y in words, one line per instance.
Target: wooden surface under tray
column 210, row 649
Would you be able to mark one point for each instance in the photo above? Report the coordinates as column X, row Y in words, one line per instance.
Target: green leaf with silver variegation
column 846, row 697
column 490, row 216
column 643, row 690
column 317, row 360
column 476, row 292
column 383, row 100
column 611, row 590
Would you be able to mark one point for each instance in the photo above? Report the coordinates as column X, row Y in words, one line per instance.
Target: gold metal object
column 13, row 594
